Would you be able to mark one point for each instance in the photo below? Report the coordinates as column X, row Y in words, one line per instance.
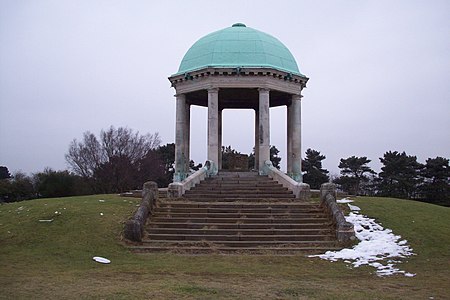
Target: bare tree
column 95, row 158
column 123, row 142
column 86, row 156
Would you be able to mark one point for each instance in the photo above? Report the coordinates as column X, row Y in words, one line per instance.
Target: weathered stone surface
column 150, row 194
column 141, row 214
column 327, row 188
column 345, row 232
column 134, row 228
column 301, row 190
column 177, row 189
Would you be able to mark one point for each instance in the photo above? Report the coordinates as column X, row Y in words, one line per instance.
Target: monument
column 238, row 68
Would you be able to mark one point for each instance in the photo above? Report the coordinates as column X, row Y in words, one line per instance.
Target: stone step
column 249, row 226
column 240, row 220
column 238, row 212
column 239, row 231
column 213, row 249
column 236, row 237
column 248, row 215
column 242, row 200
column 239, row 244
column 232, row 210
column 228, row 187
column 244, row 175
column 238, row 192
column 238, row 182
column 225, row 173
column 242, row 182
column 237, row 195
column 234, row 178
column 237, row 205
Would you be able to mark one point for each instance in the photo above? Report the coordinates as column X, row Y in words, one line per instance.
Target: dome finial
column 238, row 25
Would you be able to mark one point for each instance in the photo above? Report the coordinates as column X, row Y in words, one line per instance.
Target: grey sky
column 379, row 74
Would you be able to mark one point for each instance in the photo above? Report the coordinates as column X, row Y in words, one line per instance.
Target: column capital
column 263, row 90
column 213, row 90
column 297, row 97
column 179, row 96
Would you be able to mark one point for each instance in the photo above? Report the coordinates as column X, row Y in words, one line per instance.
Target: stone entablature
column 243, row 78
column 244, row 71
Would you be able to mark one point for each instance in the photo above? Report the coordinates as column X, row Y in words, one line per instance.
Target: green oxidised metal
column 238, row 46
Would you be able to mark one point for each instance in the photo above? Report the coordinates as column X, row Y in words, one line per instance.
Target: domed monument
column 238, row 68
column 239, row 212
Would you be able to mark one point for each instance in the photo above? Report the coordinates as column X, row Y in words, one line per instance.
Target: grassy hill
column 53, row 260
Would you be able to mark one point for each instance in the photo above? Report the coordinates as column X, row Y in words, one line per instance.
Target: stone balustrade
column 345, row 232
column 301, row 190
column 134, row 228
column 177, row 189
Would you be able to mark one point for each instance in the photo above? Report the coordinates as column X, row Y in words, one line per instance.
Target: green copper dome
column 238, row 46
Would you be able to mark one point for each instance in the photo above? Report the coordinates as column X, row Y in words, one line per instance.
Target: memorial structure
column 238, row 68
column 238, row 212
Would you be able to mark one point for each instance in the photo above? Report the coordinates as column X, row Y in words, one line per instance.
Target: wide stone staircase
column 238, row 212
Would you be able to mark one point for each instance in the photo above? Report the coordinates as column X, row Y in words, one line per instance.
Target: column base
column 295, row 176
column 179, row 177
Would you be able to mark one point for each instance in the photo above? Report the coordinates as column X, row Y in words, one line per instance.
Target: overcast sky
column 379, row 74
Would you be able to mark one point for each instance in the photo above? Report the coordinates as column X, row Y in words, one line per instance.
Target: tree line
column 116, row 161
column 401, row 176
column 120, row 160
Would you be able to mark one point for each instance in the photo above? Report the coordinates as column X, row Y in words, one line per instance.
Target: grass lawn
column 53, row 260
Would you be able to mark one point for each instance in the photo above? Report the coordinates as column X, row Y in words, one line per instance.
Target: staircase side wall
column 345, row 232
column 301, row 190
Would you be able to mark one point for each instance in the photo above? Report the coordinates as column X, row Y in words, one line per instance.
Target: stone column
column 220, row 139
column 180, row 134
column 256, row 166
column 263, row 128
column 213, row 127
column 289, row 140
column 296, row 138
column 187, row 136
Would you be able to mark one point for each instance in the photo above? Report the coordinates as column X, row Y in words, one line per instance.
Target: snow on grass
column 378, row 247
column 345, row 200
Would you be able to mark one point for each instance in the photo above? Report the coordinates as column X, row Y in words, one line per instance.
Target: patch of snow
column 101, row 200
column 101, row 214
column 378, row 247
column 345, row 200
column 50, row 220
column 353, row 207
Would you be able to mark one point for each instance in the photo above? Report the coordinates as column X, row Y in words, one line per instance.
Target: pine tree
column 312, row 166
column 274, row 158
column 353, row 171
column 400, row 175
column 436, row 186
column 4, row 173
